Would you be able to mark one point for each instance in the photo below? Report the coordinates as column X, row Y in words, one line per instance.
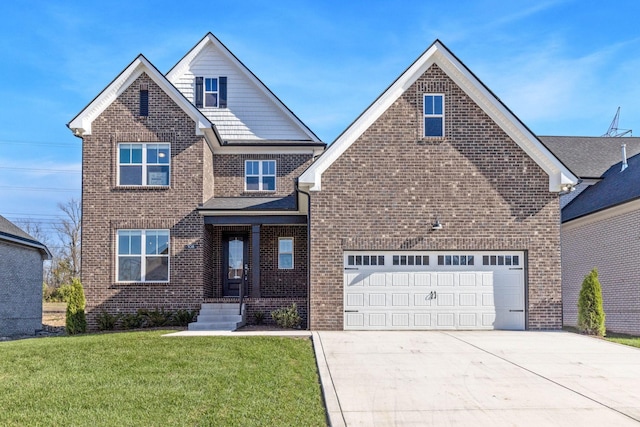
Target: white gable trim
column 81, row 124
column 181, row 67
column 559, row 175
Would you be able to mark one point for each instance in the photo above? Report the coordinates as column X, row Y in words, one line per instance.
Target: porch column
column 255, row 260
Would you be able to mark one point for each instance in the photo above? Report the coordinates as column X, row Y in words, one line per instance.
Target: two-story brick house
column 189, row 188
column 437, row 208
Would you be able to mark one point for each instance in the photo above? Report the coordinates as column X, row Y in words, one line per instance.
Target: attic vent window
column 144, row 102
column 434, row 115
column 211, row 92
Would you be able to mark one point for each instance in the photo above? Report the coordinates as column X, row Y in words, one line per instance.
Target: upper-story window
column 144, row 164
column 260, row 175
column 433, row 115
column 211, row 92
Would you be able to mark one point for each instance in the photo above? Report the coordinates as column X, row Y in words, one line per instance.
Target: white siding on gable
column 250, row 114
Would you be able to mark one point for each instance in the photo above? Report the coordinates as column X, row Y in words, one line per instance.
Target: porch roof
column 287, row 203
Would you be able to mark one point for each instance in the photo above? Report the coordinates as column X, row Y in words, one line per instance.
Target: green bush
column 76, row 320
column 590, row 311
column 183, row 317
column 258, row 316
column 131, row 321
column 287, row 317
column 107, row 321
column 59, row 294
column 155, row 318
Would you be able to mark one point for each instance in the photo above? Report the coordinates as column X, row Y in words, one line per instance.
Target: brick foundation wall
column 387, row 188
column 611, row 245
column 107, row 207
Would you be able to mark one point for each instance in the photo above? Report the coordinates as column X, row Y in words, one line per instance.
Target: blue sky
column 562, row 66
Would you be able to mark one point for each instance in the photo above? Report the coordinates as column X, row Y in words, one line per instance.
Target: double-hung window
column 285, row 253
column 260, row 175
column 433, row 115
column 143, row 256
column 211, row 92
column 144, row 164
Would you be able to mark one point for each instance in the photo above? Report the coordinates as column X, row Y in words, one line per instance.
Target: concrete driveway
column 484, row 378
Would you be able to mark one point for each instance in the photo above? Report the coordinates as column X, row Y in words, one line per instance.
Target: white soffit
column 183, row 65
column 437, row 53
column 81, row 124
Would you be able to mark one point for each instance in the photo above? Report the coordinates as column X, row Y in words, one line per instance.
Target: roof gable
column 254, row 113
column 81, row 124
column 437, row 53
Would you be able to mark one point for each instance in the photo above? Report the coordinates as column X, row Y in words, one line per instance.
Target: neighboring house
column 436, row 209
column 600, row 226
column 21, row 258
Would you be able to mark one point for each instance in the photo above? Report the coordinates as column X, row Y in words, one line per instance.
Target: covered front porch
column 257, row 253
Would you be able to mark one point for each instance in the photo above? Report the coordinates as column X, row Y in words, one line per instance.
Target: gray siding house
column 21, row 258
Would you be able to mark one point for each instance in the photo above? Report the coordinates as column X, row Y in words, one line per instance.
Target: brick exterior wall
column 20, row 290
column 385, row 191
column 107, row 207
column 610, row 244
column 229, row 173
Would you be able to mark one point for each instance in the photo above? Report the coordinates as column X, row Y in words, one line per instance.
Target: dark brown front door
column 235, row 259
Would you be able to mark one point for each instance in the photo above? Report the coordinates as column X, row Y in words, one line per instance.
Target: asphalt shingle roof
column 590, row 157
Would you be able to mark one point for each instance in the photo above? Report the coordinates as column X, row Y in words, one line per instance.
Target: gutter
column 308, row 253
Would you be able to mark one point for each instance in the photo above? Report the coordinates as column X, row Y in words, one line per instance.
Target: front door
column 235, row 257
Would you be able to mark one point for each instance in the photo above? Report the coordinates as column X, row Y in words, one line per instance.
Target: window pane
column 125, row 153
column 447, row 259
column 136, row 243
column 151, row 244
column 433, row 126
column 164, row 154
column 136, row 153
column 211, row 100
column 396, row 260
column 374, row 260
column 269, row 183
column 286, row 245
column 350, row 260
column 157, row 175
column 269, row 168
column 252, row 168
column 163, row 243
column 157, row 269
column 410, row 259
column 463, row 260
column 437, row 104
column 285, row 260
column 428, row 104
column 129, row 268
column 123, row 244
column 380, row 259
column 130, row 175
column 516, row 260
column 456, row 260
column 252, row 183
column 211, row 85
column 440, row 259
column 470, row 260
column 152, row 154
column 485, row 260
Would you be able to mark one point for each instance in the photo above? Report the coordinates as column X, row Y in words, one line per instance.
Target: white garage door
column 434, row 290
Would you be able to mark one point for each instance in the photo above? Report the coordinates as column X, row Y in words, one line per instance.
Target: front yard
column 141, row 378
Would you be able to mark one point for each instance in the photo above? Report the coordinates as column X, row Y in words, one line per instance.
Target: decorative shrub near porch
column 591, row 315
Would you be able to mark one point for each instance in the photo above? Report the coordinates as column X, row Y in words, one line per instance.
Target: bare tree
column 69, row 229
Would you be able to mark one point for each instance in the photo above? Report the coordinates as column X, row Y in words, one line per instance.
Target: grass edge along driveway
column 141, row 378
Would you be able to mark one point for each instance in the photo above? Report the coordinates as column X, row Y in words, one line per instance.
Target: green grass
column 623, row 339
column 143, row 379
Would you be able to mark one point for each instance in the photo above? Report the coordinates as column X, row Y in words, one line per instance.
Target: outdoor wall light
column 436, row 225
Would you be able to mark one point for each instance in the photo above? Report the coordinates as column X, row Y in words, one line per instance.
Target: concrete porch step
column 219, row 317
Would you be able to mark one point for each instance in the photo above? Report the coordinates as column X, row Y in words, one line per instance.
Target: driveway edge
column 334, row 411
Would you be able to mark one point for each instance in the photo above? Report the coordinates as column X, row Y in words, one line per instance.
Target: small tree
column 76, row 320
column 590, row 311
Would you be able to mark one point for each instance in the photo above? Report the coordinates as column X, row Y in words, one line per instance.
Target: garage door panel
column 355, row 300
column 399, row 294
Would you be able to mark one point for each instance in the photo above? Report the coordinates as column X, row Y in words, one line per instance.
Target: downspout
column 308, row 253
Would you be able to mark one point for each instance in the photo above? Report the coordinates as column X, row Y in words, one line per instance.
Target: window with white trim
column 285, row 253
column 143, row 256
column 433, row 115
column 144, row 164
column 456, row 260
column 210, row 92
column 260, row 175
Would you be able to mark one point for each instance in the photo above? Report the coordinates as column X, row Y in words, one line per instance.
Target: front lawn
column 623, row 339
column 141, row 378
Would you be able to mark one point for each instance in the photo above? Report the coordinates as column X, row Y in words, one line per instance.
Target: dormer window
column 211, row 92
